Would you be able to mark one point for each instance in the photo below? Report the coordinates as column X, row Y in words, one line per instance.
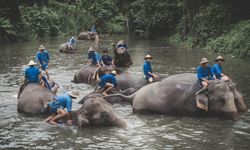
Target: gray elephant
column 67, row 49
column 121, row 57
column 95, row 111
column 86, row 35
column 176, row 95
column 34, row 98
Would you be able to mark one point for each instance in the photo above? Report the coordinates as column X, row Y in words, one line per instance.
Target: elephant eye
column 104, row 114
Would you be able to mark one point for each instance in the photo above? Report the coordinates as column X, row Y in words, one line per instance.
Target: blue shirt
column 122, row 45
column 217, row 69
column 107, row 78
column 147, row 68
column 72, row 41
column 92, row 57
column 64, row 101
column 43, row 58
column 106, row 59
column 32, row 74
column 93, row 29
column 98, row 57
column 206, row 73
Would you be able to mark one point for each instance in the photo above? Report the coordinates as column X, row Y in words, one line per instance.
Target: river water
column 144, row 131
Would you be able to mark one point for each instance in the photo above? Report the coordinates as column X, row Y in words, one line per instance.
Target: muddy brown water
column 144, row 131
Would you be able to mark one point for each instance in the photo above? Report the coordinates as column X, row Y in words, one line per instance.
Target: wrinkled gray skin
column 86, row 74
column 121, row 57
column 34, row 99
column 95, row 111
column 65, row 49
column 175, row 95
column 86, row 36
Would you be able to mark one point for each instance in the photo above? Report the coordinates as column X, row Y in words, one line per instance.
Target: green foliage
column 234, row 42
column 7, row 30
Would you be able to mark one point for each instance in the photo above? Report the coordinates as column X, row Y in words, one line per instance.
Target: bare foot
column 105, row 94
column 52, row 122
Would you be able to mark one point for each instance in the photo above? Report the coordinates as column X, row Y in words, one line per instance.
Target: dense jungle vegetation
column 220, row 25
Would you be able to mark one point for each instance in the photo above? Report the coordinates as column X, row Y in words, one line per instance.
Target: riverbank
column 235, row 41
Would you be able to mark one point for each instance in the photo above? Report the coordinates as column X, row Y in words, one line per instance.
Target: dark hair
column 105, row 50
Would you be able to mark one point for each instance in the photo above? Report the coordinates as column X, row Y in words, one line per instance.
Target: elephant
column 87, row 74
column 95, row 111
column 86, row 35
column 66, row 49
column 121, row 57
column 176, row 95
column 34, row 99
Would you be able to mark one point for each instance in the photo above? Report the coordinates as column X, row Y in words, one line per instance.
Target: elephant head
column 96, row 111
column 121, row 57
column 221, row 99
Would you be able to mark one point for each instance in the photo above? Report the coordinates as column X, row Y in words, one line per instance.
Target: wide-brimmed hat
column 113, row 72
column 148, row 57
column 203, row 61
column 91, row 49
column 219, row 58
column 41, row 47
column 31, row 63
column 74, row 94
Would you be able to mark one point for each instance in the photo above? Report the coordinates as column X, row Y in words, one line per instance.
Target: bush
column 234, row 42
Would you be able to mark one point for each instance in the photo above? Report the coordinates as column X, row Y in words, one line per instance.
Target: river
column 144, row 131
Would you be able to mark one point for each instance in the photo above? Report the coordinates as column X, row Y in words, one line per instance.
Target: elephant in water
column 67, row 49
column 34, row 99
column 121, row 57
column 95, row 111
column 88, row 36
column 176, row 95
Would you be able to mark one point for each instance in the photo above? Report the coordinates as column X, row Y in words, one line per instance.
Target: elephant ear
column 202, row 101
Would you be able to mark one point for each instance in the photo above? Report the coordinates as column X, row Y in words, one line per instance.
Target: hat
column 91, row 49
column 219, row 58
column 74, row 94
column 31, row 63
column 41, row 47
column 203, row 61
column 72, row 37
column 113, row 72
column 148, row 57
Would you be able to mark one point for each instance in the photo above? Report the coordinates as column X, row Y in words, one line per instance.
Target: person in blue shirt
column 43, row 59
column 106, row 59
column 122, row 44
column 32, row 74
column 147, row 69
column 93, row 29
column 205, row 73
column 94, row 57
column 58, row 105
column 107, row 81
column 72, row 42
column 217, row 69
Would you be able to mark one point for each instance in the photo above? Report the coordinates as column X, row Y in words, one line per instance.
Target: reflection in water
column 144, row 131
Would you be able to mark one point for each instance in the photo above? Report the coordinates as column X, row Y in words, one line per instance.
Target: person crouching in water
column 107, row 81
column 147, row 69
column 58, row 105
column 217, row 69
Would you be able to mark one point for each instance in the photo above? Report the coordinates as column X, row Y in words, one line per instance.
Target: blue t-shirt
column 93, row 29
column 72, row 41
column 32, row 74
column 92, row 57
column 217, row 69
column 64, row 101
column 147, row 68
column 122, row 45
column 98, row 57
column 106, row 59
column 107, row 78
column 206, row 73
column 43, row 58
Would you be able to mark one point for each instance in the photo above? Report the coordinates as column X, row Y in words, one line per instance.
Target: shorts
column 45, row 67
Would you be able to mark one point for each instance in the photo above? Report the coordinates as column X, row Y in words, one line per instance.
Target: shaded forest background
column 219, row 25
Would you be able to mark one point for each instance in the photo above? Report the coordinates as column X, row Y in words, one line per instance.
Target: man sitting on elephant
column 107, row 81
column 58, row 105
column 72, row 42
column 147, row 69
column 217, row 69
column 43, row 59
column 122, row 44
column 93, row 57
column 32, row 74
column 106, row 59
column 205, row 73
